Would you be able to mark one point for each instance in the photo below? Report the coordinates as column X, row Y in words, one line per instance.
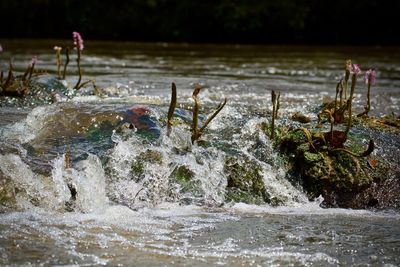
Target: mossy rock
column 245, row 181
column 139, row 164
column 293, row 142
column 236, row 195
column 137, row 170
column 335, row 174
column 185, row 178
column 151, row 156
column 39, row 90
column 7, row 194
column 99, row 132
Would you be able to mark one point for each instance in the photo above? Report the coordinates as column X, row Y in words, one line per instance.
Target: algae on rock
column 245, row 182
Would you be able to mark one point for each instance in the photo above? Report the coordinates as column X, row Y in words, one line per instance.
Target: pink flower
column 353, row 69
column 1, row 49
column 78, row 41
column 370, row 76
column 34, row 60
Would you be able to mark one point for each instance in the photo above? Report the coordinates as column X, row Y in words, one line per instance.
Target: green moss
column 137, row 169
column 139, row 164
column 312, row 157
column 151, row 156
column 245, row 181
column 182, row 174
column 237, row 195
column 184, row 177
column 102, row 131
column 7, row 193
column 326, row 169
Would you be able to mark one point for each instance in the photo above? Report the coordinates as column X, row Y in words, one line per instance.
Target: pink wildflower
column 1, row 49
column 78, row 41
column 353, row 69
column 34, row 60
column 370, row 76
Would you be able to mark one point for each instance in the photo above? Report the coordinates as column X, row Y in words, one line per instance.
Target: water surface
column 152, row 222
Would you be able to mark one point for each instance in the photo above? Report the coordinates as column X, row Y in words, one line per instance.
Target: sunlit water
column 152, row 221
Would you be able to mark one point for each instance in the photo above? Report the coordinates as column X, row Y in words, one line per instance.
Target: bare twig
column 78, row 61
column 277, row 105
column 66, row 62
column 308, row 135
column 273, row 99
column 86, row 82
column 209, row 119
column 195, row 120
column 171, row 109
column 368, row 151
column 196, row 132
column 350, row 100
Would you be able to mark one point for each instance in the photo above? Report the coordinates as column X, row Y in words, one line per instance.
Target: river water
column 147, row 219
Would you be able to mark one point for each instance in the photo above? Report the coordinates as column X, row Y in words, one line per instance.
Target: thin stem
column 368, row 151
column 84, row 83
column 369, row 98
column 195, row 120
column 58, row 63
column 341, row 92
column 353, row 86
column 277, row 105
column 66, row 62
column 78, row 61
column 171, row 109
column 31, row 71
column 273, row 99
column 367, row 108
column 219, row 108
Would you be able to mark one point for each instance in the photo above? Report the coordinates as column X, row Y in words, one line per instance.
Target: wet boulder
column 7, row 193
column 341, row 176
column 38, row 90
column 245, row 181
column 142, row 119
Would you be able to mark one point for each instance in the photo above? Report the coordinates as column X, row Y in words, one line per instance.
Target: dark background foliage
column 239, row 21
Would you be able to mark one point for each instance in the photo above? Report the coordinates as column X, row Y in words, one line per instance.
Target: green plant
column 196, row 131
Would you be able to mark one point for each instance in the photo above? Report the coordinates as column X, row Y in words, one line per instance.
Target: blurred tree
column 243, row 21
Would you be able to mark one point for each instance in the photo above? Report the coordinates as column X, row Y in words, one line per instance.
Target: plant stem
column 58, row 63
column 78, row 61
column 66, row 62
column 367, row 108
column 195, row 120
column 273, row 99
column 277, row 105
column 368, row 99
column 353, row 86
column 171, row 109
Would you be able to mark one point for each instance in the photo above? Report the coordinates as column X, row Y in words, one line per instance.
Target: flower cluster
column 57, row 48
column 78, row 41
column 34, row 60
column 370, row 76
column 353, row 68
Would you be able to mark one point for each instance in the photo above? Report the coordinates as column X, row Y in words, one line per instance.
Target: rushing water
column 148, row 219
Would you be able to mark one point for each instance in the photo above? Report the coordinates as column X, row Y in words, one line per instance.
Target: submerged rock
column 144, row 121
column 39, row 90
column 245, row 182
column 7, row 193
